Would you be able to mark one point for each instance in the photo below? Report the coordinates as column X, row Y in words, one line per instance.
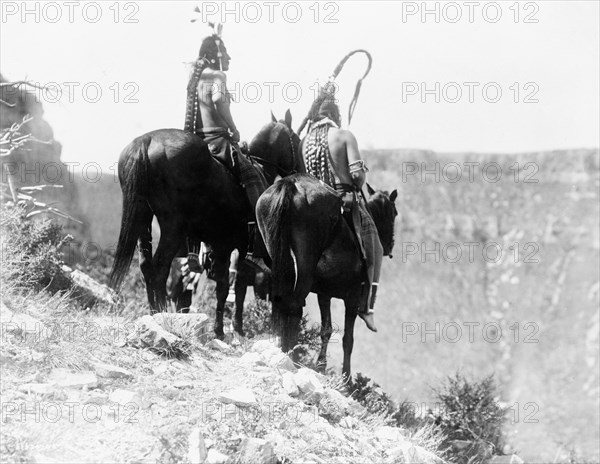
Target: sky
column 499, row 77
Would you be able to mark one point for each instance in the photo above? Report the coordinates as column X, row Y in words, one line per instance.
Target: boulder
column 64, row 378
column 87, row 290
column 310, row 387
column 219, row 345
column 38, row 388
column 256, row 450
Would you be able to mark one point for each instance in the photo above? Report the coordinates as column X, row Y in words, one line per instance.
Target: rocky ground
column 85, row 387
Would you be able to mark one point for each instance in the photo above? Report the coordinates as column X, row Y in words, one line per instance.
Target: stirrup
column 257, row 263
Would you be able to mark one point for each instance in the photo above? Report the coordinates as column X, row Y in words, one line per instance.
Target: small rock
column 96, row 397
column 181, row 384
column 282, row 361
column 149, row 334
column 66, row 379
column 38, row 388
column 197, row 452
column 507, row 459
column 257, row 450
column 355, row 408
column 242, row 397
column 412, row 454
column 110, row 371
column 309, row 385
column 349, row 422
column 387, row 433
column 262, row 345
column 219, row 345
column 216, row 457
column 333, row 405
column 251, row 358
column 289, row 384
column 124, row 397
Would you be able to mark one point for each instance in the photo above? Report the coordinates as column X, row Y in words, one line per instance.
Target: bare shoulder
column 342, row 135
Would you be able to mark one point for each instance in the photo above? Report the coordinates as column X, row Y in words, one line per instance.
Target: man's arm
column 221, row 99
column 355, row 162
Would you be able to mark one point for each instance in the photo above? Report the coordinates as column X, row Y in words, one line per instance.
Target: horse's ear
column 370, row 190
column 394, row 195
column 273, row 118
column 288, row 118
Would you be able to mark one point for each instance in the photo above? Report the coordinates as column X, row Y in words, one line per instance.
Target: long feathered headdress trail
column 329, row 88
column 192, row 121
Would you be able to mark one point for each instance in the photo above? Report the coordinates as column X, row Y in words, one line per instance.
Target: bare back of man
column 349, row 176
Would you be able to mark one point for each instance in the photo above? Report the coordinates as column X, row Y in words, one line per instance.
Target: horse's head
column 277, row 145
column 382, row 208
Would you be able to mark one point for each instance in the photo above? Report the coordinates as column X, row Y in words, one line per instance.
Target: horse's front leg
column 325, row 307
column 221, row 274
column 351, row 305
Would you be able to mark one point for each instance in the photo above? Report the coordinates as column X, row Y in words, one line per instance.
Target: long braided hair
column 209, row 56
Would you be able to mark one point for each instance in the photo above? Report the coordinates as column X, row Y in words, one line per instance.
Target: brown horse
column 313, row 249
column 170, row 174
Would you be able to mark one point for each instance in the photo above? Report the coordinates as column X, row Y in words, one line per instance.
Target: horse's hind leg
column 240, row 287
column 290, row 315
column 168, row 246
column 348, row 339
column 325, row 307
column 145, row 254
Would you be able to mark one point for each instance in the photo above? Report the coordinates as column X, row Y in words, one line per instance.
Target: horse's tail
column 134, row 184
column 278, row 228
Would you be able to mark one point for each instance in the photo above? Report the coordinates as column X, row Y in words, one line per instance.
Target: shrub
column 31, row 251
column 257, row 318
column 471, row 418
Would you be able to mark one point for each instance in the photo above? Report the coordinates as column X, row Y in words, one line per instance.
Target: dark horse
column 313, row 249
column 171, row 174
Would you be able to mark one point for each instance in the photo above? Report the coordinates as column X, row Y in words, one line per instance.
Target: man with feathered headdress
column 208, row 115
column 331, row 155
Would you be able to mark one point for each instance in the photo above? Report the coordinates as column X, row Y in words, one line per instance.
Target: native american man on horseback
column 331, row 155
column 208, row 115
